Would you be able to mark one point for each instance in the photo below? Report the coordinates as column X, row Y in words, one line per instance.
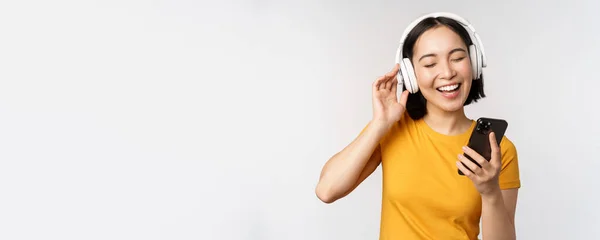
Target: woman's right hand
column 387, row 109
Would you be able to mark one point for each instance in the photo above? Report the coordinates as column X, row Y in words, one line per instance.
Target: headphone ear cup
column 403, row 75
column 475, row 61
column 399, row 76
column 410, row 80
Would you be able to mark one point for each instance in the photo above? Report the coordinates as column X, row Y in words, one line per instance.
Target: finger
column 466, row 171
column 494, row 143
column 391, row 74
column 496, row 156
column 394, row 70
column 390, row 83
column 475, row 156
column 403, row 98
column 474, row 168
column 395, row 85
column 378, row 82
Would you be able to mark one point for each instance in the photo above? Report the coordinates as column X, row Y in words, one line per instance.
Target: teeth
column 448, row 88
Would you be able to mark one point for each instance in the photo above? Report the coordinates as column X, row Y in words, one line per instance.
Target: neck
column 447, row 123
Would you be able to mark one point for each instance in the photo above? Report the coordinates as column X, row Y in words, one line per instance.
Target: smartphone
column 480, row 138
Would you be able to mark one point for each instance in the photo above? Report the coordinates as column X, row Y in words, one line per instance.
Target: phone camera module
column 483, row 126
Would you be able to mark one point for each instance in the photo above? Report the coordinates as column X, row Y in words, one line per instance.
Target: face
column 443, row 68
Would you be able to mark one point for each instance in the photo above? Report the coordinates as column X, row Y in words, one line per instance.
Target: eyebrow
column 451, row 52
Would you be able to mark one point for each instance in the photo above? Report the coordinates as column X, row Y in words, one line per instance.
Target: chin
column 449, row 101
column 451, row 107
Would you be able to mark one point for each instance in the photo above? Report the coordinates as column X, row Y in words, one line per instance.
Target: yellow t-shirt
column 423, row 196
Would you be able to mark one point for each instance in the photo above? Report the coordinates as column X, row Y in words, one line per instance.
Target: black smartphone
column 480, row 137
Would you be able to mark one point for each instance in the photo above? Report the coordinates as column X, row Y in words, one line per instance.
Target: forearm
column 341, row 172
column 496, row 220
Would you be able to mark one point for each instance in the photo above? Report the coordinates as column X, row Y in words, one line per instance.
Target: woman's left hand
column 485, row 177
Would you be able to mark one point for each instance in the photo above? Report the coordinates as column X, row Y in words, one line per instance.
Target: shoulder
column 507, row 148
column 406, row 122
column 509, row 172
column 401, row 129
column 399, row 132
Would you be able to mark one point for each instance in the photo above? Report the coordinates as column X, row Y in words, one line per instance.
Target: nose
column 447, row 70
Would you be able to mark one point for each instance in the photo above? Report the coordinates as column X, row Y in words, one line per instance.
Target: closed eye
column 459, row 59
column 454, row 60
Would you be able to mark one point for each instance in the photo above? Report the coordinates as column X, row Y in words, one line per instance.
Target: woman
column 420, row 137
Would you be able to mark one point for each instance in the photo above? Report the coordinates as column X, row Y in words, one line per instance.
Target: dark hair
column 416, row 103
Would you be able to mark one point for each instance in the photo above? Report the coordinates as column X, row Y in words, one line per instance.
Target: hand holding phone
column 480, row 138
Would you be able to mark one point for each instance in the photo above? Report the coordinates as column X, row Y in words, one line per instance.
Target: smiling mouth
column 449, row 88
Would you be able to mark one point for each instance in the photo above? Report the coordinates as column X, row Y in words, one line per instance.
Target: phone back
column 480, row 137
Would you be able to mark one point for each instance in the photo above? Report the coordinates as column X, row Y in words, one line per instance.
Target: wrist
column 492, row 196
column 379, row 126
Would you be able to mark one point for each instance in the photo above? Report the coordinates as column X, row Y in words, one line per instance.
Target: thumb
column 404, row 98
column 495, row 148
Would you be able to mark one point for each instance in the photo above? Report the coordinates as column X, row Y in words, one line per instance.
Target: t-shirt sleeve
column 509, row 173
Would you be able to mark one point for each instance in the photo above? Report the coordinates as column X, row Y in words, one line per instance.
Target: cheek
column 464, row 68
column 467, row 86
column 425, row 77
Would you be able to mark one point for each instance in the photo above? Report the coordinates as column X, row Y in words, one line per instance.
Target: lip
column 449, row 84
column 452, row 95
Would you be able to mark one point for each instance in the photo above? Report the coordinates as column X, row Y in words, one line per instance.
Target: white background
column 183, row 119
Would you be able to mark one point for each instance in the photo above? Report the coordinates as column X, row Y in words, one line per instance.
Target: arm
column 498, row 214
column 348, row 168
column 498, row 206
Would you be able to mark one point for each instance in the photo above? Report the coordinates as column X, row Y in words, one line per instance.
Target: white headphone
column 406, row 75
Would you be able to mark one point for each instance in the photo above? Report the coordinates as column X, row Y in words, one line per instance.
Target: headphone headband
column 470, row 29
